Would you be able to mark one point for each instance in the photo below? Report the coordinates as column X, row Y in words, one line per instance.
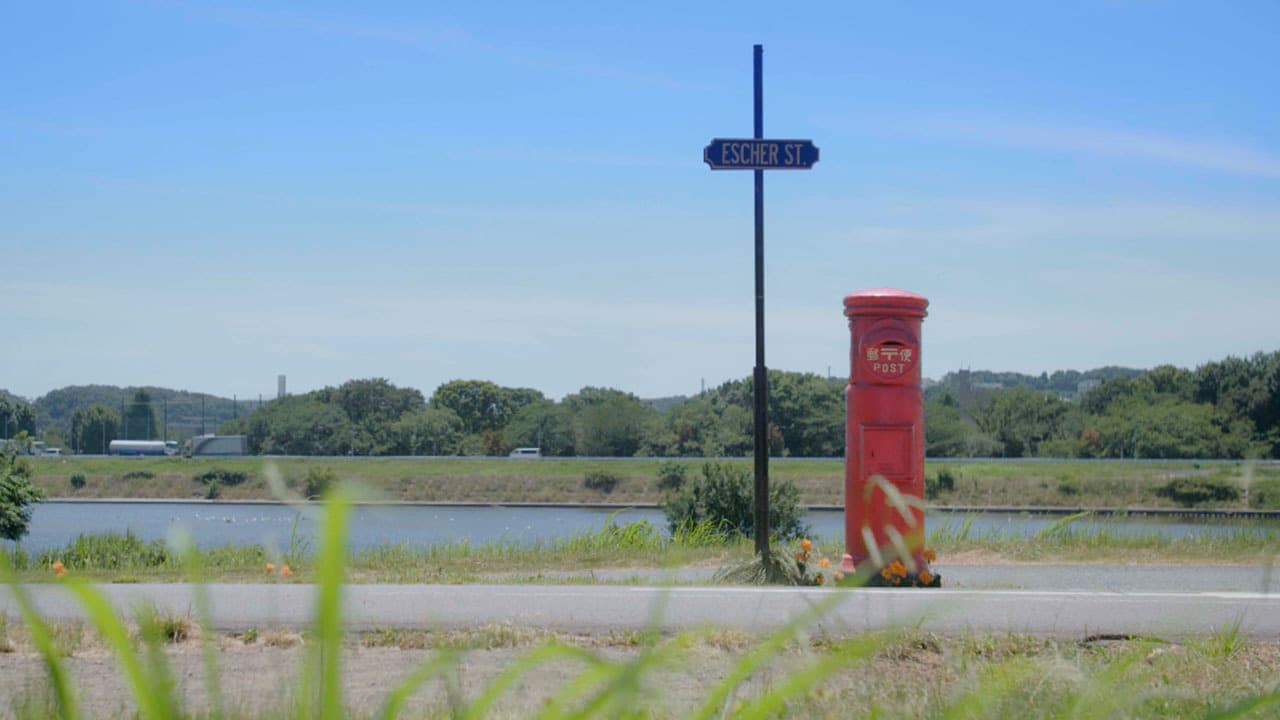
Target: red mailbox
column 884, row 427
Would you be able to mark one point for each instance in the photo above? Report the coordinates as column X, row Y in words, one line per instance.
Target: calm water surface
column 55, row 524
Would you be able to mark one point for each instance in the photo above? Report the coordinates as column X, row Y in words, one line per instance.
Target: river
column 227, row 523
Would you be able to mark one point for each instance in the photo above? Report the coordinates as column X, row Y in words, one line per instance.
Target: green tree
column 16, row 416
column 482, row 405
column 545, row 425
column 374, row 406
column 703, row 428
column 17, row 492
column 809, row 412
column 140, row 417
column 304, row 425
column 610, row 423
column 93, row 428
column 430, row 431
column 944, row 430
column 1169, row 428
column 1245, row 388
column 806, row 415
column 1022, row 418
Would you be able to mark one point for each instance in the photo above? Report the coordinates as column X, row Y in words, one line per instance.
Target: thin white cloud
column 1018, row 222
column 1220, row 156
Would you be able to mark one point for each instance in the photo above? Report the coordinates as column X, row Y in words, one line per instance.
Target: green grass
column 488, row 480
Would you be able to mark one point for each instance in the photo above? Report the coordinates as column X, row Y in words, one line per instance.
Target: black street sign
column 752, row 154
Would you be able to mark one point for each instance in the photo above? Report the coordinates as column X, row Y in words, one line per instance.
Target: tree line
column 1223, row 409
column 479, row 417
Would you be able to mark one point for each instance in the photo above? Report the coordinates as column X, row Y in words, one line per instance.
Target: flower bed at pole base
column 895, row 574
column 822, row 572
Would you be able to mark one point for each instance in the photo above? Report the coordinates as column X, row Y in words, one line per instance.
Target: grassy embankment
column 498, row 480
column 793, row 672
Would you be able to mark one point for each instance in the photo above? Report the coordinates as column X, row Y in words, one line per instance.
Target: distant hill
column 6, row 395
column 663, row 404
column 968, row 387
column 186, row 413
column 1063, row 382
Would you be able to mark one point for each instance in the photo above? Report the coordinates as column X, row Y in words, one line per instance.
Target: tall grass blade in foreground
column 774, row 701
column 195, row 575
column 1247, row 707
column 996, row 684
column 154, row 701
column 507, row 679
column 762, row 652
column 322, row 681
column 42, row 638
column 438, row 663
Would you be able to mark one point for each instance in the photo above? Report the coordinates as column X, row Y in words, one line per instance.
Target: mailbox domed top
column 886, row 301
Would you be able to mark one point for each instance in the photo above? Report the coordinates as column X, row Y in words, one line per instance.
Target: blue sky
column 204, row 195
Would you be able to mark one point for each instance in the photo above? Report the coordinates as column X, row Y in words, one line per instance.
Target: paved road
column 1026, row 576
column 602, row 608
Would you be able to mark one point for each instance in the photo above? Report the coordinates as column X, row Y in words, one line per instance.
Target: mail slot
column 884, row 425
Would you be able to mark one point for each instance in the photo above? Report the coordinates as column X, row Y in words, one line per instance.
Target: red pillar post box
column 884, row 428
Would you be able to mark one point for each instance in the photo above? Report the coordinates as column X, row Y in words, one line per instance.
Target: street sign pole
column 761, row 375
column 759, row 154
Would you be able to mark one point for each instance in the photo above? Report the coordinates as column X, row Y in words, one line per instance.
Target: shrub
column 77, row 481
column 318, row 481
column 138, row 475
column 17, row 492
column 672, row 475
column 1067, row 486
column 944, row 481
column 229, row 478
column 1265, row 494
column 724, row 498
column 212, row 491
column 601, row 481
column 1189, row 491
column 109, row 551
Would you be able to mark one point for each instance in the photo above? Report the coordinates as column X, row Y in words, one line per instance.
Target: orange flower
column 824, row 563
column 838, row 575
column 805, row 545
column 925, row 577
column 271, row 568
column 58, row 568
column 285, row 571
column 930, row 555
column 818, row 579
column 897, row 568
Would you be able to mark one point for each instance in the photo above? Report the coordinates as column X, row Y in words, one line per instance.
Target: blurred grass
column 795, row 671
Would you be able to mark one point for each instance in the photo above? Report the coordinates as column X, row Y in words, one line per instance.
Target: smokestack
column 279, row 387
